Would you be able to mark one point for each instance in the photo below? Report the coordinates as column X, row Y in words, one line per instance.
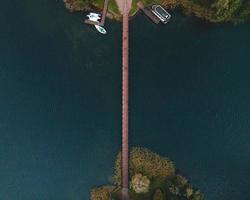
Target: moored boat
column 101, row 29
column 94, row 17
column 161, row 13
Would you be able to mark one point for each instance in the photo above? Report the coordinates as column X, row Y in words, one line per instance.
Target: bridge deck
column 125, row 99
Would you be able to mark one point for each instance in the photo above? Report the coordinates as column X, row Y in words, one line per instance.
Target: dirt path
column 122, row 7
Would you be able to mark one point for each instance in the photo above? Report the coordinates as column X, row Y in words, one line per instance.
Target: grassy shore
column 214, row 11
column 87, row 5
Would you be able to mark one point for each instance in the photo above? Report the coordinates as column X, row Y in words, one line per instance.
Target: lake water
column 60, row 85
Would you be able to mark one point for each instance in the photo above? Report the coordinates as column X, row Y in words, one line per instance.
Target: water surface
column 60, row 101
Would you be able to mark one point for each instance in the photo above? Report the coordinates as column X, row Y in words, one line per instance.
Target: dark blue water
column 60, row 101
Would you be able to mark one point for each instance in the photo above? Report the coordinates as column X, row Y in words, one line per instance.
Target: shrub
column 158, row 195
column 144, row 161
column 197, row 196
column 151, row 164
column 101, row 193
column 140, row 183
column 77, row 5
column 189, row 192
column 174, row 190
column 118, row 170
column 181, row 181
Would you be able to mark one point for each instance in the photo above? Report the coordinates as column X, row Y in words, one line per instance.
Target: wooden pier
column 104, row 13
column 86, row 21
column 125, row 100
column 148, row 12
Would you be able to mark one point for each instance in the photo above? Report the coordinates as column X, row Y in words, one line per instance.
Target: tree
column 140, row 183
column 225, row 10
column 158, row 195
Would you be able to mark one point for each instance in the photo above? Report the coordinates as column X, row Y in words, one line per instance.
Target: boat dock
column 148, row 12
column 104, row 13
column 86, row 21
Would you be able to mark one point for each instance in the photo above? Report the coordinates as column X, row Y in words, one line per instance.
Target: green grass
column 134, row 7
column 98, row 3
column 113, row 8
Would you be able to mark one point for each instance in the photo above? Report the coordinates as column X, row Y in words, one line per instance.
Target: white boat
column 101, row 29
column 161, row 13
column 94, row 17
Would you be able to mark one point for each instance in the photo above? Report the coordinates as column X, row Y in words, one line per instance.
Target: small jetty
column 148, row 12
column 104, row 13
column 87, row 21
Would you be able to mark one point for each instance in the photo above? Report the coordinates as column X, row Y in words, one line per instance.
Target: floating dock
column 148, row 12
column 86, row 21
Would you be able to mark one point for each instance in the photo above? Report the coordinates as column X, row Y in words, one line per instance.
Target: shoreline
column 98, row 7
column 149, row 175
column 211, row 13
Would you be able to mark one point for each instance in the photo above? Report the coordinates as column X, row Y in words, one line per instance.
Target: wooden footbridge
column 125, row 99
column 124, row 7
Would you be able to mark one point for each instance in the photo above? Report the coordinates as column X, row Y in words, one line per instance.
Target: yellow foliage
column 189, row 192
column 118, row 172
column 151, row 164
column 182, row 181
column 140, row 183
column 146, row 162
column 101, row 193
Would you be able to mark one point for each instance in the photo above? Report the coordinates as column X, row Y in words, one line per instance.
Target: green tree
column 225, row 10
